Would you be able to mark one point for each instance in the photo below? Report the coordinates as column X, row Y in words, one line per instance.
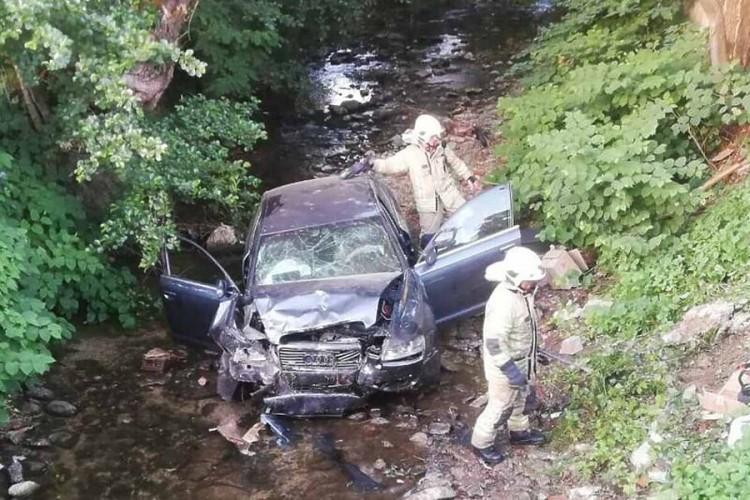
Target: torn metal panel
column 307, row 305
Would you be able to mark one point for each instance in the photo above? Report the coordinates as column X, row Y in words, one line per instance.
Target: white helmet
column 427, row 126
column 521, row 264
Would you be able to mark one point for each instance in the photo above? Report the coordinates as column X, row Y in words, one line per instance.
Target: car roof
column 317, row 202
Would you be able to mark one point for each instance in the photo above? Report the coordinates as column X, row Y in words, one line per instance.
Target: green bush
column 607, row 156
column 49, row 275
column 723, row 474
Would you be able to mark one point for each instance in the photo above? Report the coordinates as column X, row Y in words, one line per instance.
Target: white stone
column 571, row 345
column 641, row 458
column 738, row 429
column 583, row 493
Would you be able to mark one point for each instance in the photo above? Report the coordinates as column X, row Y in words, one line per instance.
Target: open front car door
column 453, row 263
column 194, row 309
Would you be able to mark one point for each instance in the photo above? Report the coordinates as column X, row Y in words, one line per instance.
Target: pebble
column 23, row 489
column 419, row 438
column 61, row 408
column 39, row 392
column 63, row 439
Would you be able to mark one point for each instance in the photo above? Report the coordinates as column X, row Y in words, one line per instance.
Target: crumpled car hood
column 308, row 305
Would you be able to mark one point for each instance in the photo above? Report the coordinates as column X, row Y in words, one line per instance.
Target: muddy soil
column 137, row 434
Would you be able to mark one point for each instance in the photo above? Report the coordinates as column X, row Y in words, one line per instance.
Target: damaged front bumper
column 319, row 378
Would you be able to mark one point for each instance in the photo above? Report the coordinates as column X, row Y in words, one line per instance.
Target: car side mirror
column 430, row 254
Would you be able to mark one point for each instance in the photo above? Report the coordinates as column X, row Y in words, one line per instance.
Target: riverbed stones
column 38, row 391
column 23, row 489
column 433, row 486
column 419, row 438
column 63, row 439
column 59, row 408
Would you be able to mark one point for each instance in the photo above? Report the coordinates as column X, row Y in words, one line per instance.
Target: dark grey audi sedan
column 336, row 303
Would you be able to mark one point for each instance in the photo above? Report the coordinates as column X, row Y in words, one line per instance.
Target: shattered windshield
column 334, row 251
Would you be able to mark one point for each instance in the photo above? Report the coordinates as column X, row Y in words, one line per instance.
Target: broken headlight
column 401, row 350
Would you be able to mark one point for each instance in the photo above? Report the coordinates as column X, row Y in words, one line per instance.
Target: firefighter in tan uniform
column 509, row 352
column 430, row 164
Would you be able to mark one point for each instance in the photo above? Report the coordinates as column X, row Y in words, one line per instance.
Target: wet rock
column 63, row 439
column 38, row 391
column 23, row 489
column 440, row 428
column 379, row 464
column 34, row 468
column 60, row 408
column 358, row 417
column 714, row 317
column 124, row 419
column 222, row 237
column 433, row 486
column 31, row 408
column 419, row 438
column 353, row 105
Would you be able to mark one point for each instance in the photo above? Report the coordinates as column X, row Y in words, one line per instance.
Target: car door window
column 476, row 220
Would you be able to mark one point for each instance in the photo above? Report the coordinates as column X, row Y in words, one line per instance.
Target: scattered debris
column 563, row 272
column 738, row 429
column 571, row 345
column 221, row 237
column 60, row 408
column 277, row 426
column 158, row 360
column 359, row 480
column 699, row 321
column 253, row 433
column 716, row 403
column 23, row 489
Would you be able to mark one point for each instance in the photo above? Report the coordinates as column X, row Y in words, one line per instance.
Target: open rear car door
column 195, row 309
column 453, row 263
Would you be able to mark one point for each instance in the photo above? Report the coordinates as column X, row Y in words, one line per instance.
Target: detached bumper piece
column 313, row 404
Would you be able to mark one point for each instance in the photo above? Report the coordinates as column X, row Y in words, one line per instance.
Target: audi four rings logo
column 319, row 359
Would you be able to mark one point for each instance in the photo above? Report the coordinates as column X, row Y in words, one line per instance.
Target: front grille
column 313, row 356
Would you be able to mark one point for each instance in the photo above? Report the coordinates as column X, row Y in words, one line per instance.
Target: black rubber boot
column 529, row 437
column 490, row 455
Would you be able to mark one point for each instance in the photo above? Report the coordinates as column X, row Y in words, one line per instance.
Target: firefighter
column 509, row 353
column 430, row 164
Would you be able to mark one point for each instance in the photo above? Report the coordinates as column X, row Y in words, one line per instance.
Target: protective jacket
column 510, row 325
column 431, row 179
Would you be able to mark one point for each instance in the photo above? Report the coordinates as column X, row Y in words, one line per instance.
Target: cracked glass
column 333, row 251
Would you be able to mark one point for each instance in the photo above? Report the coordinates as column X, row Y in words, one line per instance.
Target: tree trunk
column 147, row 80
column 728, row 22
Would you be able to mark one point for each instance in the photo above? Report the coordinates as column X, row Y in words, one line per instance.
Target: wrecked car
column 335, row 302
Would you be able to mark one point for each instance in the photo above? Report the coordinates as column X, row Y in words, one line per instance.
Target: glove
column 515, row 377
column 360, row 167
